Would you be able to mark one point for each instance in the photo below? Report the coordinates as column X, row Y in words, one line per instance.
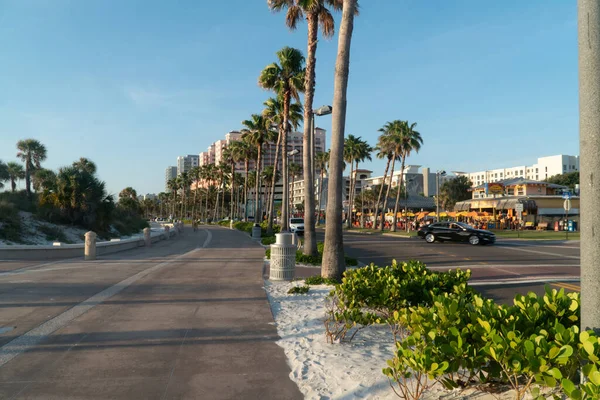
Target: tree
column 455, row 190
column 384, row 150
column 333, row 264
column 128, row 199
column 409, row 140
column 4, row 175
column 32, row 153
column 14, row 172
column 322, row 163
column 84, row 164
column 256, row 132
column 195, row 175
column 392, row 132
column 355, row 150
column 173, row 186
column 569, row 179
column 273, row 112
column 316, row 14
column 43, row 178
column 286, row 79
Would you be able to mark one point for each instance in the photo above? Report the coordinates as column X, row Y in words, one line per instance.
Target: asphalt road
column 185, row 319
column 498, row 271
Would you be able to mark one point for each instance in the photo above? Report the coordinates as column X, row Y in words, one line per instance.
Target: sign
column 495, row 188
column 567, row 205
column 519, row 207
column 566, row 196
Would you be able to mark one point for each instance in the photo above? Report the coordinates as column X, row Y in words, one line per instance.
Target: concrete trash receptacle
column 283, row 258
column 256, row 231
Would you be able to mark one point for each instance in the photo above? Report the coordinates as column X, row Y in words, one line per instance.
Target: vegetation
column 454, row 190
column 299, row 289
column 569, row 179
column 355, row 150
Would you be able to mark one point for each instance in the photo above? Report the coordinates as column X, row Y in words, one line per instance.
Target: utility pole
column 588, row 22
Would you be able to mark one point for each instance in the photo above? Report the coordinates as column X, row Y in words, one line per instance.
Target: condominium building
column 545, row 168
column 414, row 181
column 170, row 173
column 186, row 163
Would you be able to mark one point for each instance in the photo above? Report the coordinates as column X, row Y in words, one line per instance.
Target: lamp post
column 437, row 193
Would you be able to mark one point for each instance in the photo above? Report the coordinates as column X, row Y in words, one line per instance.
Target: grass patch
column 531, row 234
column 319, row 280
column 299, row 290
column 53, row 233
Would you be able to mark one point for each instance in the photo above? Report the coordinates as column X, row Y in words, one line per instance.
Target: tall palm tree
column 393, row 133
column 273, row 112
column 384, row 150
column 294, row 171
column 286, row 79
column 410, row 140
column 247, row 153
column 85, row 165
column 256, row 132
column 15, row 172
column 194, row 175
column 351, row 152
column 316, row 13
column 333, row 255
column 4, row 175
column 184, row 182
column 32, row 153
column 322, row 163
column 364, row 153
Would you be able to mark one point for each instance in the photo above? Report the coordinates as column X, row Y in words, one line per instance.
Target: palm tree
column 32, row 153
column 363, row 153
column 246, row 152
column 15, row 172
column 392, row 132
column 322, row 163
column 85, row 165
column 410, row 140
column 294, row 171
column 256, row 132
column 286, row 79
column 333, row 255
column 351, row 152
column 194, row 175
column 384, row 150
column 316, row 14
column 173, row 186
column 274, row 114
column 4, row 175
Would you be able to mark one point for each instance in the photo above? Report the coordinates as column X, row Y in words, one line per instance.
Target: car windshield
column 296, row 221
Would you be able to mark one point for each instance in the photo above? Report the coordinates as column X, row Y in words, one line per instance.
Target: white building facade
column 186, row 163
column 170, row 173
column 545, row 168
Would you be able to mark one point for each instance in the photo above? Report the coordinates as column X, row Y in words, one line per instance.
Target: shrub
column 10, row 223
column 268, row 240
column 268, row 253
column 243, row 226
column 53, row 233
column 319, row 280
column 299, row 290
column 224, row 223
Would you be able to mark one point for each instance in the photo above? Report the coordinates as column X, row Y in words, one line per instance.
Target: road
column 531, row 263
column 185, row 319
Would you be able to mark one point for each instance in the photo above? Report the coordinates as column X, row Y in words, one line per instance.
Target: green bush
column 268, row 253
column 53, row 233
column 267, row 240
column 244, row 226
column 263, row 228
column 299, row 290
column 10, row 222
column 126, row 222
column 319, row 280
column 224, row 223
column 20, row 201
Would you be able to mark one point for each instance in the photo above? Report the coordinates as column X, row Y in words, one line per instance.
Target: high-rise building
column 186, row 163
column 170, row 173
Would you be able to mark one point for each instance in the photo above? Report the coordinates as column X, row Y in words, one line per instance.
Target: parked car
column 297, row 226
column 455, row 232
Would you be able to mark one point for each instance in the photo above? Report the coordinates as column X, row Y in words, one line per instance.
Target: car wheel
column 474, row 240
column 430, row 238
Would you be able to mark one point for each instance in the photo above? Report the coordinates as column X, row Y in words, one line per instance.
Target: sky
column 132, row 84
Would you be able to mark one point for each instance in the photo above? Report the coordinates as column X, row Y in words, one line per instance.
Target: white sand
column 337, row 371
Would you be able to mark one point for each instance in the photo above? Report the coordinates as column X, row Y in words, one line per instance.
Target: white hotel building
column 543, row 169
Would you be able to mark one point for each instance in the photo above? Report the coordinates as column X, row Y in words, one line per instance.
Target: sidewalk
column 198, row 326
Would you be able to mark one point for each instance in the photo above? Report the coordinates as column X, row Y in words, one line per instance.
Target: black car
column 455, row 232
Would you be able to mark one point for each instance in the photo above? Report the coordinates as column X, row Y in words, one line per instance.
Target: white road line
column 31, row 338
column 488, row 266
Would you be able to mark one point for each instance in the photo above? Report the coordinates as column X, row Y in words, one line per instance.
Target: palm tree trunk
column 387, row 194
column 387, row 167
column 246, row 167
column 350, row 197
column 286, row 188
column 232, row 184
column 273, row 183
column 320, row 198
column 310, row 235
column 195, row 199
column 222, row 210
column 333, row 264
column 257, row 216
column 394, row 218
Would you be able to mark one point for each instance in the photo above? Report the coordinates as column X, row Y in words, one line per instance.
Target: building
column 545, row 168
column 186, row 163
column 170, row 173
column 416, row 182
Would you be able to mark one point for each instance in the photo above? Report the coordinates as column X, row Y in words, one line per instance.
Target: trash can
column 572, row 225
column 256, row 232
column 556, row 226
column 283, row 258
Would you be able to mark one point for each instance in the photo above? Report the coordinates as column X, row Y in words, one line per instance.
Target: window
column 564, row 167
column 536, row 170
column 537, row 177
column 521, row 172
column 500, row 174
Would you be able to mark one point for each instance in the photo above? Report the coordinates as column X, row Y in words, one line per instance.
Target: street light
column 437, row 193
column 323, row 110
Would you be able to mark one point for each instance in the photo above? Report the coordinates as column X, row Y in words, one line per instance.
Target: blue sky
column 132, row 84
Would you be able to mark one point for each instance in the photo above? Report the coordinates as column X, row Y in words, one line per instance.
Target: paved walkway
column 184, row 320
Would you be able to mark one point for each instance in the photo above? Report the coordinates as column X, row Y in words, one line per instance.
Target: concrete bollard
column 147, row 237
column 283, row 258
column 256, row 231
column 231, row 224
column 167, row 232
column 90, row 246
